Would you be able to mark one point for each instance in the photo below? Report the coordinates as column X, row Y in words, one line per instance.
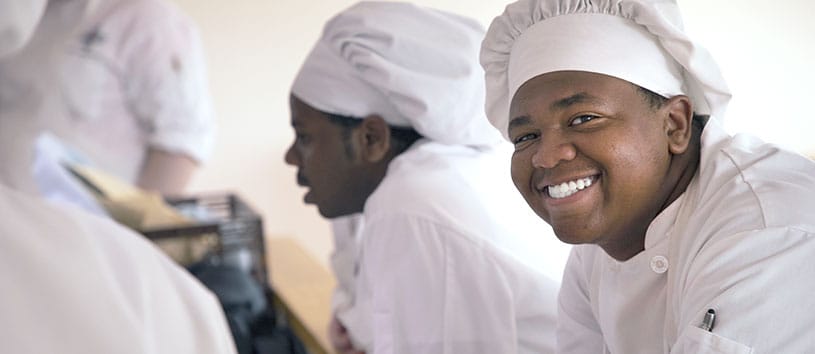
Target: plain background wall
column 255, row 47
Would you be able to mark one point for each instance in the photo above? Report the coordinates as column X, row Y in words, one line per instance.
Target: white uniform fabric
column 75, row 283
column 18, row 20
column 346, row 232
column 452, row 260
column 740, row 241
column 26, row 79
column 412, row 65
column 534, row 37
column 132, row 77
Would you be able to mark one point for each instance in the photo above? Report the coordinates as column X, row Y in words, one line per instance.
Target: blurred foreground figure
column 76, row 283
column 122, row 84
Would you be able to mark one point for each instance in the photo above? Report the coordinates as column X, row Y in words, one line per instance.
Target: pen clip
column 709, row 320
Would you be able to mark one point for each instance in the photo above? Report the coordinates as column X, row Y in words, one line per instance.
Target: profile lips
column 301, row 181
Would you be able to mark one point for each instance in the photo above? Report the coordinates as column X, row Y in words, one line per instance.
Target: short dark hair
column 656, row 101
column 401, row 138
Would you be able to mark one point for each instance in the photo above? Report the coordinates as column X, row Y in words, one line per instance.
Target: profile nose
column 291, row 157
column 552, row 150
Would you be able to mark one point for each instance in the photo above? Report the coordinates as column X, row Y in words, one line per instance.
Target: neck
column 681, row 170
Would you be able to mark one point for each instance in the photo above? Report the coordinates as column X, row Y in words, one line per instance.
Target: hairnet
column 415, row 67
column 640, row 41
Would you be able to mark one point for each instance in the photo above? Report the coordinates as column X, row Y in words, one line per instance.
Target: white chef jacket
column 26, row 78
column 132, row 77
column 452, row 260
column 346, row 232
column 74, row 283
column 740, row 241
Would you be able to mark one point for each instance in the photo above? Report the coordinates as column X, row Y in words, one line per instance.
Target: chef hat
column 639, row 41
column 415, row 67
column 18, row 20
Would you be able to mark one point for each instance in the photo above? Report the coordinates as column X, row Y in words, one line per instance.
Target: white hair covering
column 640, row 41
column 415, row 67
column 18, row 20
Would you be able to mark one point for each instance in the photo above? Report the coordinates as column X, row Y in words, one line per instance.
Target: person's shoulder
column 140, row 18
column 419, row 175
column 775, row 184
column 80, row 237
column 89, row 262
column 746, row 184
column 434, row 176
column 459, row 182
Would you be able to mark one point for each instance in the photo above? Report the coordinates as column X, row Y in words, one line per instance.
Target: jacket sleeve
column 433, row 290
column 166, row 80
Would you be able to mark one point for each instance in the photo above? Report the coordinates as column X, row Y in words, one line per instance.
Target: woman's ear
column 374, row 138
column 678, row 113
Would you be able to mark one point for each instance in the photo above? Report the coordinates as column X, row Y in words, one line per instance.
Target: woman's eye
column 582, row 119
column 523, row 138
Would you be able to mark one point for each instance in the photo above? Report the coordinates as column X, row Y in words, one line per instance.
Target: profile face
column 591, row 155
column 325, row 164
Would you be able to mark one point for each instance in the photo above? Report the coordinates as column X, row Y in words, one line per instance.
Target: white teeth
column 566, row 189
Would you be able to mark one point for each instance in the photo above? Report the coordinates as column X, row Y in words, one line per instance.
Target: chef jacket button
column 659, row 264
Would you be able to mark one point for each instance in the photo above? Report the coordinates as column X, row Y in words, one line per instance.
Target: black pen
column 709, row 320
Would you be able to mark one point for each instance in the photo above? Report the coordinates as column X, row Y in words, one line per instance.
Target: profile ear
column 678, row 113
column 374, row 138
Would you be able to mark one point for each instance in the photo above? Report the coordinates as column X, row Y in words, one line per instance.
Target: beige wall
column 254, row 48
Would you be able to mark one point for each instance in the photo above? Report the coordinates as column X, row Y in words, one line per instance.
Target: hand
column 340, row 339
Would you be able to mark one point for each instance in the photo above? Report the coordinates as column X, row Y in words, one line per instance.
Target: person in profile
column 388, row 120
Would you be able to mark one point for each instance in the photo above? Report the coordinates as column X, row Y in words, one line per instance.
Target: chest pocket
column 697, row 340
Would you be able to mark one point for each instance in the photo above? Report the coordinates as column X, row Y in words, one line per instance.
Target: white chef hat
column 415, row 67
column 18, row 20
column 639, row 41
